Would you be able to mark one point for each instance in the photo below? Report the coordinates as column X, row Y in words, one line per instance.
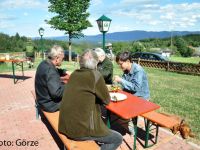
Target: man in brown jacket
column 80, row 115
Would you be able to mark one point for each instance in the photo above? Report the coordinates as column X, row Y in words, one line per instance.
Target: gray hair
column 88, row 59
column 99, row 52
column 55, row 51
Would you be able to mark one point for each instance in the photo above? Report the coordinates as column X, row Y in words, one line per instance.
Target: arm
column 64, row 75
column 54, row 85
column 135, row 82
column 102, row 91
column 63, row 72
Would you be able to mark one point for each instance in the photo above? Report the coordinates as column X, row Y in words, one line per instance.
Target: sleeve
column 61, row 72
column 102, row 91
column 135, row 83
column 107, row 69
column 55, row 87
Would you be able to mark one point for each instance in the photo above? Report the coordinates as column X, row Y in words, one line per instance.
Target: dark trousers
column 109, row 142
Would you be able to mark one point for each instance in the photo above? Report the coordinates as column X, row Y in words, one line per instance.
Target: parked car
column 149, row 56
column 73, row 55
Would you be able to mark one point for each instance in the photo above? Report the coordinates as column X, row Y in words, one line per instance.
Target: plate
column 117, row 96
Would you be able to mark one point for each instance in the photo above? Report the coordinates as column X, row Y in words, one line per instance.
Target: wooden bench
column 68, row 143
column 157, row 119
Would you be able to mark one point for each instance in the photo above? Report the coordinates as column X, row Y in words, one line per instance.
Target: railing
column 187, row 68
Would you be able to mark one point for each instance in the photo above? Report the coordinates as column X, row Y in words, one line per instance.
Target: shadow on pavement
column 52, row 132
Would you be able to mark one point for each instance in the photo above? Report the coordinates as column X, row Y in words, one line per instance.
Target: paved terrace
column 18, row 121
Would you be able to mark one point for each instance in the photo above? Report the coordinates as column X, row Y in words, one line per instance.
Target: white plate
column 119, row 96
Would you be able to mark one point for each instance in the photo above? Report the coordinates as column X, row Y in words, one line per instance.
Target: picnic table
column 15, row 62
column 130, row 108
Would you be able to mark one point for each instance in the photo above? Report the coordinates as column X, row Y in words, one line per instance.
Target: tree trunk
column 70, row 48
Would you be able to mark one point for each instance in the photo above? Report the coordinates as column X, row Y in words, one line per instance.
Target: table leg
column 22, row 65
column 134, row 120
column 13, row 69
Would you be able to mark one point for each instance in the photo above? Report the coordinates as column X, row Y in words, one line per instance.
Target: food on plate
column 113, row 88
column 114, row 98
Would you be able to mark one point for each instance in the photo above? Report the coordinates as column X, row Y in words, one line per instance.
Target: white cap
column 108, row 44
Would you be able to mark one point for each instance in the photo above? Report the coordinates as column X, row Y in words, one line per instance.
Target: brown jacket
column 80, row 114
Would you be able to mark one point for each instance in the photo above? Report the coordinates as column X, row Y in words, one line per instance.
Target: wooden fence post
column 138, row 60
column 167, row 67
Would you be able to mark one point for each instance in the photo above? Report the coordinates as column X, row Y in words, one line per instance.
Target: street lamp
column 103, row 24
column 41, row 33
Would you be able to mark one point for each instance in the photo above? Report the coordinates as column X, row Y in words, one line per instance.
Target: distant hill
column 128, row 36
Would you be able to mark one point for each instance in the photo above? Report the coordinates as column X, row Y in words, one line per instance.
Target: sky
column 27, row 16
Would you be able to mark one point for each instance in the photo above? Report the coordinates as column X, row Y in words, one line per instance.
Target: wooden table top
column 12, row 60
column 131, row 107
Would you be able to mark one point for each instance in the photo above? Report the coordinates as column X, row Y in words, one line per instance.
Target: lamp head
column 41, row 31
column 103, row 23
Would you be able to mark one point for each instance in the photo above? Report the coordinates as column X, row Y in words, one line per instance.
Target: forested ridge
column 179, row 45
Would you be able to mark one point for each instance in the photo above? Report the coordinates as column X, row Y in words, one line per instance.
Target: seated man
column 105, row 66
column 80, row 115
column 48, row 84
column 134, row 80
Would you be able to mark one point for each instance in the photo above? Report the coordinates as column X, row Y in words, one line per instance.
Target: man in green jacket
column 80, row 115
column 105, row 66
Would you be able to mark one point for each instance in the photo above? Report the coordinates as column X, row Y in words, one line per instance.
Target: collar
column 132, row 69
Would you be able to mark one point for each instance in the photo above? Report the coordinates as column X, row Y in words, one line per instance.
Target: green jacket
column 80, row 114
column 106, row 69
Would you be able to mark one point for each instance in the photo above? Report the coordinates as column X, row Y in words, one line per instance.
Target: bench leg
column 148, row 125
column 108, row 119
column 65, row 148
column 37, row 111
column 157, row 130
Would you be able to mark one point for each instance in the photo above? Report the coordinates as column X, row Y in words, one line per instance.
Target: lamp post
column 103, row 24
column 41, row 33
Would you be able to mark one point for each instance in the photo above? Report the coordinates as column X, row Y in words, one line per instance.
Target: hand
column 117, row 79
column 65, row 78
column 68, row 73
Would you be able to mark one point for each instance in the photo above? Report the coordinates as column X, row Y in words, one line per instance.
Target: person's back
column 80, row 116
column 49, row 92
column 48, row 86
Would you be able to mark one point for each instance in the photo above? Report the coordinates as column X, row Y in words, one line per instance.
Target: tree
column 71, row 17
column 137, row 47
column 181, row 45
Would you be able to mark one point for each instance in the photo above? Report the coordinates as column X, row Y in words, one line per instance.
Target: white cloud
column 176, row 16
column 10, row 4
column 5, row 25
column 182, row 15
column 138, row 2
column 25, row 14
column 118, row 28
column 96, row 2
column 7, row 17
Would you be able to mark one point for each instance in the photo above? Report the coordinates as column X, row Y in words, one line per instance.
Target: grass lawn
column 176, row 93
column 194, row 60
